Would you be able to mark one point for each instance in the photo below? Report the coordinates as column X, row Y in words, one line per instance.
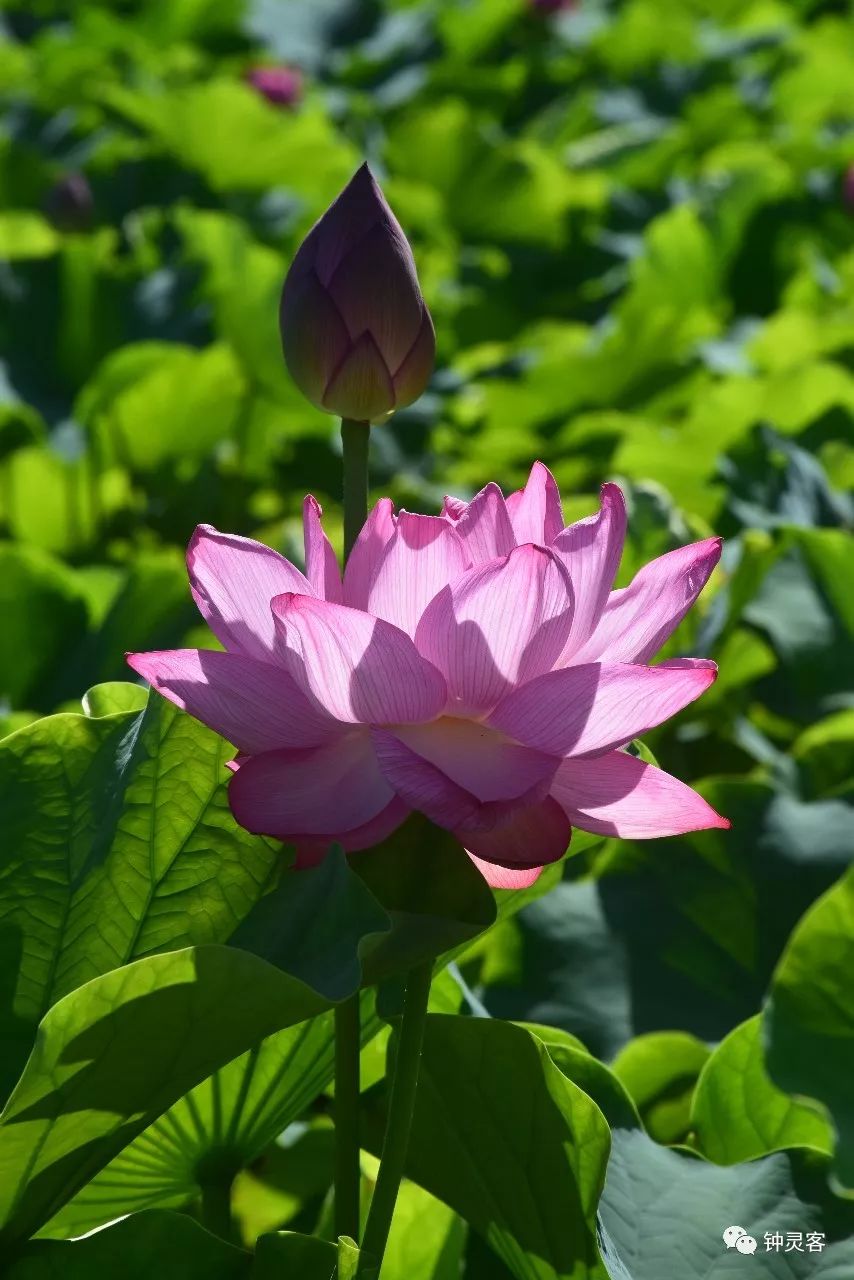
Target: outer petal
column 499, row 625
column 527, row 840
column 314, row 335
column 453, row 508
column 360, row 669
column 483, row 762
column 321, row 564
column 361, row 385
column 618, row 795
column 413, row 374
column 255, row 705
column 424, row 554
column 233, row 581
column 638, row 619
column 591, row 550
column 485, row 526
column 535, row 510
column 366, row 557
column 313, row 849
column 425, row 787
column 593, row 708
column 347, row 221
column 375, row 288
column 288, row 794
column 499, row 877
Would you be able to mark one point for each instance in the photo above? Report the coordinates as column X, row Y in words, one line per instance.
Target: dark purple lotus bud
column 357, row 337
column 552, row 6
column 69, row 204
column 280, row 85
column 848, row 189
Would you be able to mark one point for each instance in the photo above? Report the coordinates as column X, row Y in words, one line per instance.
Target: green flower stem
column 347, row 1171
column 355, row 439
column 399, row 1123
column 216, row 1207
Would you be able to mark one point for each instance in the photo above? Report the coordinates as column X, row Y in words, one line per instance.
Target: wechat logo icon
column 737, row 1238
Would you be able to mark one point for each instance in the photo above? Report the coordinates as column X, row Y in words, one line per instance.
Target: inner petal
column 487, row 763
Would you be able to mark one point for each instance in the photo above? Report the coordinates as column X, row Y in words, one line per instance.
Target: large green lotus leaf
column 251, row 142
column 435, row 897
column 825, row 754
column 114, row 697
column 505, row 1139
column 321, row 922
column 56, row 503
column 663, row 1214
column 773, row 482
column 116, row 1053
column 118, row 843
column 286, row 1253
column 217, row 1129
column 660, row 1070
column 597, row 1080
column 289, row 1254
column 242, row 280
column 44, row 615
column 809, row 1020
column 678, row 933
column 412, row 897
column 511, row 191
column 168, row 1245
column 738, row 1113
column 828, row 553
column 804, row 608
column 672, row 302
column 229, row 1119
column 24, row 234
column 149, row 412
column 289, row 1184
column 427, row 1238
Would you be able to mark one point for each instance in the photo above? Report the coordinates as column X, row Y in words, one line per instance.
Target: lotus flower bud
column 848, row 189
column 552, row 6
column 282, row 86
column 69, row 204
column 356, row 335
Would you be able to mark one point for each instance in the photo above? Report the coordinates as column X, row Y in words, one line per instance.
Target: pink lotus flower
column 552, row 6
column 848, row 188
column 69, row 204
column 281, row 86
column 476, row 666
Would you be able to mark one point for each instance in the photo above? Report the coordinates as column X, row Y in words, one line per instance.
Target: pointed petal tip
column 200, row 531
column 612, row 492
column 499, row 877
column 280, row 604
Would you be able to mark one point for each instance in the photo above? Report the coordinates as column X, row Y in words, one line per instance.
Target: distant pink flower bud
column 282, row 86
column 552, row 6
column 848, row 188
column 356, row 334
column 69, row 204
column 476, row 666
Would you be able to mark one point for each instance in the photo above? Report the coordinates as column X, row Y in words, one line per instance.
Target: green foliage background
column 631, row 228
